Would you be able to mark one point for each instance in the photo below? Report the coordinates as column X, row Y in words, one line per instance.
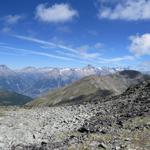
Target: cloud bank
column 127, row 10
column 140, row 45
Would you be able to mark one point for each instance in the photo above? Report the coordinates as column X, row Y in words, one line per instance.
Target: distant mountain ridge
column 90, row 87
column 34, row 82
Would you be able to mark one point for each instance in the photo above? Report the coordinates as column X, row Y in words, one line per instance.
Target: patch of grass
column 2, row 114
column 125, row 137
column 79, row 147
column 101, row 137
column 137, row 122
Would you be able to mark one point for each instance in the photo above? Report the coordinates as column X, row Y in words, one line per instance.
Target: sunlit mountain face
column 71, row 33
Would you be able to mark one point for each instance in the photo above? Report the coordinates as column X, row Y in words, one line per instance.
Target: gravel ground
column 37, row 125
column 116, row 123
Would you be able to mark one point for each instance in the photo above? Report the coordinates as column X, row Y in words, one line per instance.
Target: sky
column 74, row 33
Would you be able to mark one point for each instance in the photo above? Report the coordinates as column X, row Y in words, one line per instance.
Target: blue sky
column 74, row 33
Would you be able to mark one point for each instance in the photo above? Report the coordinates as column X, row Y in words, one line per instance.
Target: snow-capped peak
column 4, row 67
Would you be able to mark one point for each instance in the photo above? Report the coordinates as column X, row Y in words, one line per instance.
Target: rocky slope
column 33, row 81
column 123, row 121
column 12, row 98
column 83, row 89
column 118, row 122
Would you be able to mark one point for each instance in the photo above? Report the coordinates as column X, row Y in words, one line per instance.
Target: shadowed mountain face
column 12, row 98
column 34, row 82
column 86, row 88
column 130, row 74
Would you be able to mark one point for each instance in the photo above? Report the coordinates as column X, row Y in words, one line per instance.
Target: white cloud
column 87, row 55
column 87, row 47
column 118, row 59
column 81, row 51
column 20, row 51
column 127, row 10
column 84, row 51
column 140, row 45
column 46, row 43
column 26, row 51
column 6, row 30
column 12, row 19
column 56, row 13
column 144, row 66
column 80, row 54
column 83, row 48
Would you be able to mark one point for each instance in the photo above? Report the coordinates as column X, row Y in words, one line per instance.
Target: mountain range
column 34, row 82
column 92, row 86
column 109, row 111
column 120, row 122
